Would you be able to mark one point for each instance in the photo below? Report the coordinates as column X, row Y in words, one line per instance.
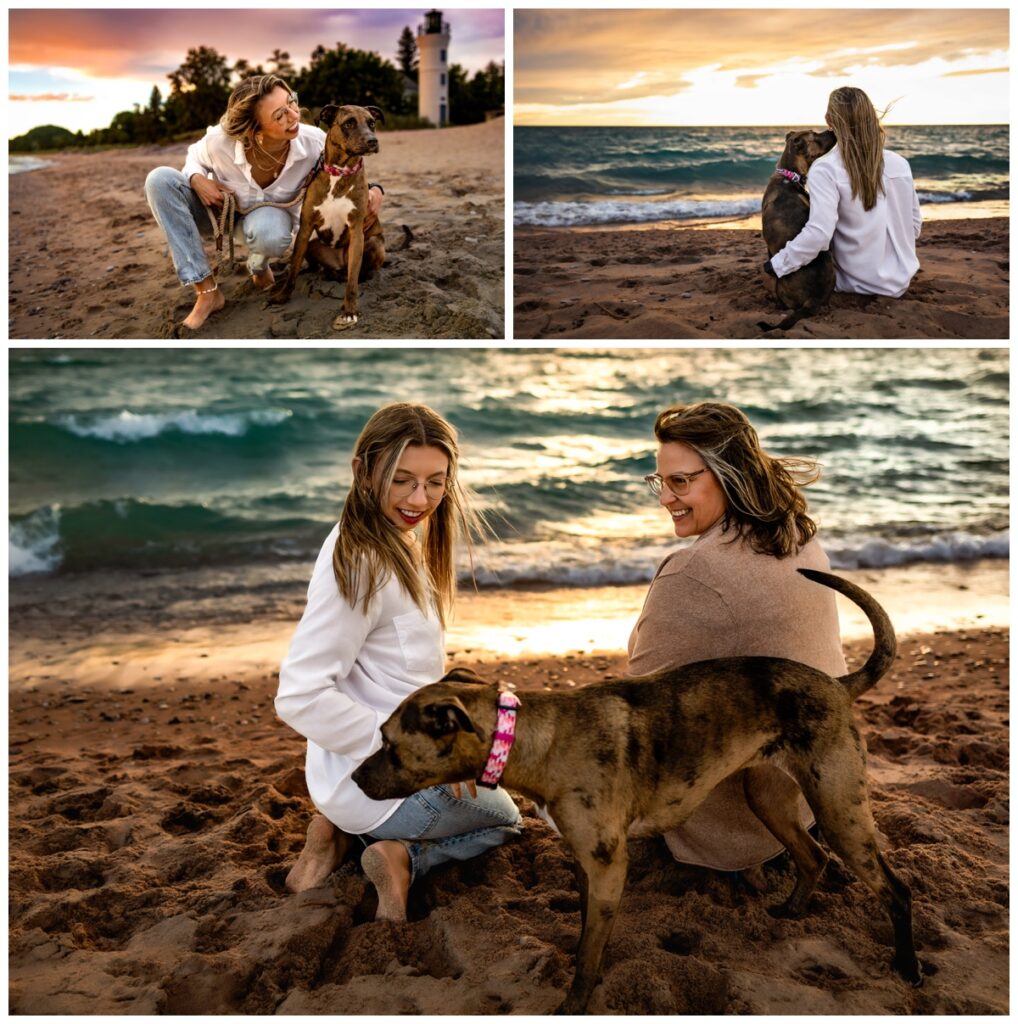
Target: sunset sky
column 77, row 68
column 757, row 67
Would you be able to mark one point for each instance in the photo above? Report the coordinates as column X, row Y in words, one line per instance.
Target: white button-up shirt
column 347, row 670
column 873, row 250
column 225, row 158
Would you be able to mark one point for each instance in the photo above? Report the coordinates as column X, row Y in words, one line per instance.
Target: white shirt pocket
column 421, row 641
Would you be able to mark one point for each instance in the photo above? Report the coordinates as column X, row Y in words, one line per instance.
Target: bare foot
column 387, row 865
column 266, row 279
column 323, row 851
column 205, row 305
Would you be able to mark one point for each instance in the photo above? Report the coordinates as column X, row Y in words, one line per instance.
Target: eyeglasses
column 677, row 483
column 434, row 489
column 292, row 107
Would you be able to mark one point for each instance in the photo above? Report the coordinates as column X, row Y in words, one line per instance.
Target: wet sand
column 106, row 273
column 156, row 805
column 681, row 282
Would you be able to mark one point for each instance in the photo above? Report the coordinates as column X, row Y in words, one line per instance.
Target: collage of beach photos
column 508, row 510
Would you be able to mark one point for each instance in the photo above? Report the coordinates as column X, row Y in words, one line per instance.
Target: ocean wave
column 33, row 543
column 575, row 214
column 20, row 164
column 127, row 427
column 876, row 553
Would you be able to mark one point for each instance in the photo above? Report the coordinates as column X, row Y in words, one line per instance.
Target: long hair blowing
column 854, row 120
column 764, row 500
column 241, row 119
column 370, row 547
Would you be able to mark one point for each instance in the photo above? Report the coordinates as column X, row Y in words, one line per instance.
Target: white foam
column 34, row 542
column 127, row 427
column 576, row 214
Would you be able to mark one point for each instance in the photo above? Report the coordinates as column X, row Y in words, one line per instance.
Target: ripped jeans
column 267, row 232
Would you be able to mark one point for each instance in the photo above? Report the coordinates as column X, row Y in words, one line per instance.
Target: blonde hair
column 240, row 120
column 370, row 547
column 763, row 493
column 854, row 121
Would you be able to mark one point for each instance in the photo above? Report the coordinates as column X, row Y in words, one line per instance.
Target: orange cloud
column 976, row 71
column 50, row 97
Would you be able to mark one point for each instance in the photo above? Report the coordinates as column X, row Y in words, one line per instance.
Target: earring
column 259, row 138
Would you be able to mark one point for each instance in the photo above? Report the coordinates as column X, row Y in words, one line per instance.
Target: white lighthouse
column 433, row 69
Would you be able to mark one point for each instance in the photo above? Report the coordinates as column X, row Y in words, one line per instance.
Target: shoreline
column 706, row 282
column 83, row 630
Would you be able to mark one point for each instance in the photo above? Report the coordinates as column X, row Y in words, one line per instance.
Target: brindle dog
column 636, row 757
column 334, row 209
column 785, row 212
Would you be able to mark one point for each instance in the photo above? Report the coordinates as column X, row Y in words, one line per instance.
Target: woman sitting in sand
column 262, row 153
column 373, row 632
column 734, row 591
column 863, row 206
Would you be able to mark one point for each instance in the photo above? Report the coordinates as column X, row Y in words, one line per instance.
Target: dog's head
column 802, row 148
column 439, row 734
column 351, row 128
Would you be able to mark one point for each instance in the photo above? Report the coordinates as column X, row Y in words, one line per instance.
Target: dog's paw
column 278, row 296
column 785, row 911
column 909, row 971
column 344, row 321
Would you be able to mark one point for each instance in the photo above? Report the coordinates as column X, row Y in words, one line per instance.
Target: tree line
column 200, row 87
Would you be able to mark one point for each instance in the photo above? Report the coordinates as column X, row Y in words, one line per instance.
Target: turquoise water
column 161, row 458
column 574, row 176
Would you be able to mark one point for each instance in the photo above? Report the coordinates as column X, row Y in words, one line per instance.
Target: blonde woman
column 372, row 633
column 262, row 153
column 733, row 592
column 863, row 206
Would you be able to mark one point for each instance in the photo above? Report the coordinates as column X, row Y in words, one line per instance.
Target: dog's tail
column 884, row 642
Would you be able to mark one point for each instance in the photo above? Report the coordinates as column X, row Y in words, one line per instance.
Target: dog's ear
column 462, row 675
column 376, row 113
column 328, row 114
column 446, row 717
column 788, row 135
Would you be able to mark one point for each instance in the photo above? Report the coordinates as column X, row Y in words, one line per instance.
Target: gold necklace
column 275, row 162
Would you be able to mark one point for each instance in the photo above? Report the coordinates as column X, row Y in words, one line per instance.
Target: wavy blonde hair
column 764, row 500
column 855, row 122
column 370, row 547
column 240, row 120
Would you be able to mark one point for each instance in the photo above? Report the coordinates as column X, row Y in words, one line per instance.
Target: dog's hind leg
column 774, row 798
column 837, row 794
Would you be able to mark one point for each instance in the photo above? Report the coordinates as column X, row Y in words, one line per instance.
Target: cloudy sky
column 757, row 67
column 77, row 68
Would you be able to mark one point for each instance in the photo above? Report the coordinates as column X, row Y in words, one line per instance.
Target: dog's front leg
column 283, row 290
column 355, row 254
column 603, row 890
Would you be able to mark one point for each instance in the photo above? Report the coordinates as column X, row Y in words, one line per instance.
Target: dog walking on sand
column 636, row 756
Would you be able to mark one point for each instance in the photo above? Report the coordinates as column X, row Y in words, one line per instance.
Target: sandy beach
column 105, row 273
column 157, row 804
column 681, row 282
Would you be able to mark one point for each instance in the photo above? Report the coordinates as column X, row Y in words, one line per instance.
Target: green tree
column 346, row 75
column 470, row 100
column 406, row 53
column 281, row 65
column 199, row 89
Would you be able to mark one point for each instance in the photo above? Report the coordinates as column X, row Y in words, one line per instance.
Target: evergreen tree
column 406, row 53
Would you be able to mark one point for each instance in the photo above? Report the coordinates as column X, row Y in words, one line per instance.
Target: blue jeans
column 436, row 827
column 266, row 232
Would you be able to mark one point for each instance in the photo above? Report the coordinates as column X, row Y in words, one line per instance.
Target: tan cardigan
column 718, row 598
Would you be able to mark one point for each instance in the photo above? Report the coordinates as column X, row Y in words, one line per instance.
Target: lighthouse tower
column 433, row 69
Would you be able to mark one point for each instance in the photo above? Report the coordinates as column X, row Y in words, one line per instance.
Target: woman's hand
column 208, row 190
column 457, row 790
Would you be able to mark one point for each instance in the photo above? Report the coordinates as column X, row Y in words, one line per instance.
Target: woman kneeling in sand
column 262, row 153
column 862, row 206
column 372, row 633
column 734, row 591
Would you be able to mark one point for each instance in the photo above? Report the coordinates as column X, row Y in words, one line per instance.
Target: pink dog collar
column 502, row 741
column 790, row 175
column 343, row 172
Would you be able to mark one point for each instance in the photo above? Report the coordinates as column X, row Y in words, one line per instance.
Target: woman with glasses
column 261, row 153
column 372, row 633
column 734, row 592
